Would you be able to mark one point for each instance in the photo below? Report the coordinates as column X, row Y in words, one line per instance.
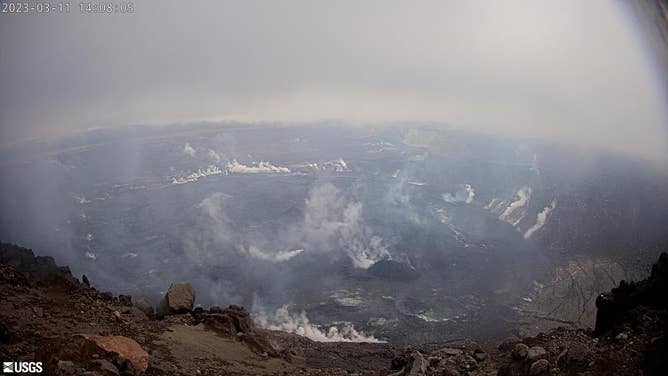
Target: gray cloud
column 569, row 71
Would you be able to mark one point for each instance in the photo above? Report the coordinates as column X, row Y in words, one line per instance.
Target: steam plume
column 300, row 324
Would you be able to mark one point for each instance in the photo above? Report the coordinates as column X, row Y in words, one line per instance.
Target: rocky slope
column 46, row 315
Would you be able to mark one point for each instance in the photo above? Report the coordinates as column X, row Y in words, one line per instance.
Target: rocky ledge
column 47, row 315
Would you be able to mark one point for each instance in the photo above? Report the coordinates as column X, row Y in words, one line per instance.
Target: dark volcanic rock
column 614, row 307
column 35, row 268
column 4, row 332
column 656, row 359
column 234, row 321
column 125, row 300
column 11, row 276
column 180, row 298
column 536, row 353
column 143, row 305
column 575, row 355
column 105, row 366
column 400, row 361
column 393, row 270
column 230, row 321
column 520, row 351
column 539, row 367
column 418, row 365
column 106, row 296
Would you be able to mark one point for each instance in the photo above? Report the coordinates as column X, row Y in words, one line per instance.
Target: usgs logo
column 21, row 367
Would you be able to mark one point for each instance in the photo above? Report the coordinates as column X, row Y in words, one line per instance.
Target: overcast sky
column 567, row 70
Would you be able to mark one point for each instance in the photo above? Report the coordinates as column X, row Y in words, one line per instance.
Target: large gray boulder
column 143, row 305
column 180, row 298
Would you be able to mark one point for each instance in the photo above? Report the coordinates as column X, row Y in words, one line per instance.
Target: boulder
column 418, row 366
column 536, row 353
column 106, row 367
column 125, row 348
column 514, row 369
column 134, row 312
column 469, row 362
column 143, row 305
column 410, row 365
column 520, row 351
column 232, row 320
column 117, row 316
column 125, row 300
column 399, row 362
column 180, row 298
column 539, row 367
column 574, row 355
column 480, row 355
